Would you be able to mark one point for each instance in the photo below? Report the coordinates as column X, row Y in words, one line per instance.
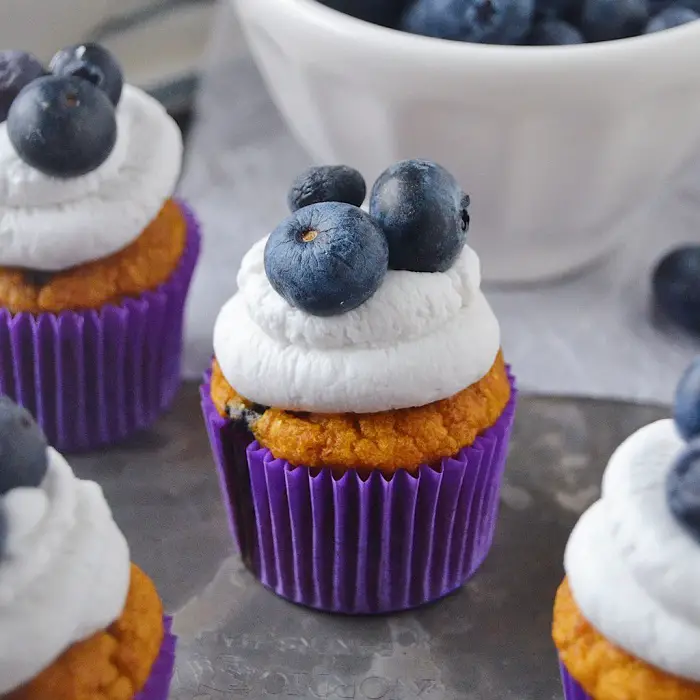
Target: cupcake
column 627, row 616
column 358, row 404
column 96, row 257
column 78, row 621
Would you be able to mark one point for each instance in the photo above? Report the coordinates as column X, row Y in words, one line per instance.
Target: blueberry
column 554, row 32
column 328, row 183
column 693, row 5
column 384, row 12
column 656, row 6
column 555, row 9
column 23, row 457
column 683, row 490
column 93, row 63
column 62, row 126
column 676, row 287
column 423, row 213
column 686, row 404
column 479, row 21
column 17, row 69
column 672, row 16
column 605, row 20
column 326, row 259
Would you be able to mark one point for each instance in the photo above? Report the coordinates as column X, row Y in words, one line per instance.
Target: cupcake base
column 94, row 377
column 158, row 684
column 360, row 546
column 572, row 690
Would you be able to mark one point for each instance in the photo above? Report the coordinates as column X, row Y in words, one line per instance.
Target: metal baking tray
column 489, row 641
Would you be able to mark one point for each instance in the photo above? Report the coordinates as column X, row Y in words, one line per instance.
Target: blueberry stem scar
column 309, row 236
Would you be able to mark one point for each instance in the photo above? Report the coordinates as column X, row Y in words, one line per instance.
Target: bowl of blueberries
column 562, row 118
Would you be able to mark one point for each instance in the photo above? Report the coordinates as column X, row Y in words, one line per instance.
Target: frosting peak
column 633, row 570
column 64, row 576
column 54, row 224
column 420, row 338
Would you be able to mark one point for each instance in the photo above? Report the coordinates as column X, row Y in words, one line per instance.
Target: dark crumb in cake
column 37, row 278
column 247, row 413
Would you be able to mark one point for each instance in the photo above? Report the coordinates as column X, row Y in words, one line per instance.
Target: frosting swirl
column 65, row 574
column 422, row 337
column 632, row 568
column 54, row 223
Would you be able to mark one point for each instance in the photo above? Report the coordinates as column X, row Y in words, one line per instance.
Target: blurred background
column 591, row 333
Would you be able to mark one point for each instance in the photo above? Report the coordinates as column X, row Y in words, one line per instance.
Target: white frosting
column 51, row 223
column 422, row 337
column 65, row 574
column 633, row 570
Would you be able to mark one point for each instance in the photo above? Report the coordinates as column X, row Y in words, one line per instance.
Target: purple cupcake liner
column 572, row 690
column 358, row 545
column 158, row 684
column 94, row 377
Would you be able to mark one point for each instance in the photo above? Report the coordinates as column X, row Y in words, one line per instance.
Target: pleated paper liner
column 94, row 377
column 158, row 684
column 353, row 545
column 572, row 690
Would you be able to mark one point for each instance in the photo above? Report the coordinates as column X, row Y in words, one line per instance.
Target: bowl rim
column 677, row 40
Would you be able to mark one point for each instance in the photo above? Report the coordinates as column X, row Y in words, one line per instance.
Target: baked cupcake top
column 343, row 311
column 86, row 163
column 64, row 564
column 633, row 559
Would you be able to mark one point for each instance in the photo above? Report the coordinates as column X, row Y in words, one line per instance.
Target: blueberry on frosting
column 62, row 126
column 686, row 405
column 17, row 69
column 23, row 455
column 326, row 259
column 683, row 490
column 683, row 482
column 327, row 183
column 93, row 63
column 423, row 213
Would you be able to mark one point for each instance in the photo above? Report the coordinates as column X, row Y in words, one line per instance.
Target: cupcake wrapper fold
column 158, row 684
column 572, row 690
column 94, row 377
column 360, row 545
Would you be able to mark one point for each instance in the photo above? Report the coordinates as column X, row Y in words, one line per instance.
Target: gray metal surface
column 490, row 641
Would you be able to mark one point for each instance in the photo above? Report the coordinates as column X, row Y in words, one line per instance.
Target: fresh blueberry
column 676, row 287
column 672, row 16
column 23, row 457
column 686, row 404
column 693, row 5
column 657, row 6
column 326, row 259
column 17, row 69
column 554, row 32
column 328, row 183
column 93, row 63
column 424, row 214
column 384, row 12
column 62, row 126
column 555, row 9
column 478, row 21
column 683, row 490
column 605, row 20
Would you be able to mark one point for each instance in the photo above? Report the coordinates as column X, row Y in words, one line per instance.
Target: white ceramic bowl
column 556, row 145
